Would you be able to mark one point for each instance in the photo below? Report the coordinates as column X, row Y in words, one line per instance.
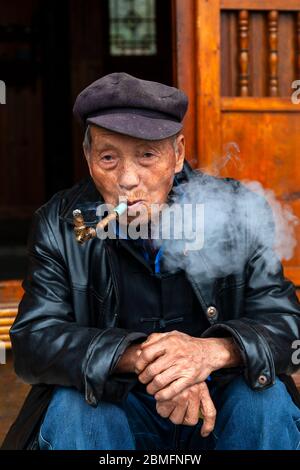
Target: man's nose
column 129, row 178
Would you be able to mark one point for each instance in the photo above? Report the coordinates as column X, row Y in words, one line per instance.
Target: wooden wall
column 35, row 121
column 246, row 56
column 21, row 124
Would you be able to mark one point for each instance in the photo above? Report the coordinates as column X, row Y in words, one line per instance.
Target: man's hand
column 185, row 407
column 127, row 362
column 171, row 362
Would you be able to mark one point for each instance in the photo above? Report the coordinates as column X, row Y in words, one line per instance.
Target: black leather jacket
column 66, row 330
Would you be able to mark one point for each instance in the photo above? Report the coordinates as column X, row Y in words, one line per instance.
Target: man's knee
column 272, row 400
column 71, row 423
column 250, row 419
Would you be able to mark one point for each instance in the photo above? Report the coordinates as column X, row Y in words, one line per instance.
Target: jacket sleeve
column 48, row 345
column 270, row 326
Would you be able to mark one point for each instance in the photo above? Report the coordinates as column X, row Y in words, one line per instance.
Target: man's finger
column 173, row 389
column 161, row 381
column 178, row 414
column 153, row 338
column 192, row 413
column 164, row 409
column 208, row 410
column 146, row 358
column 156, row 367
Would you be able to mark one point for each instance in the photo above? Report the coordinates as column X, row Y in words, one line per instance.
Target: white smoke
column 240, row 218
column 285, row 220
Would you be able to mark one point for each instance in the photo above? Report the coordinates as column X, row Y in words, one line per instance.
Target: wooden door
column 21, row 139
column 238, row 60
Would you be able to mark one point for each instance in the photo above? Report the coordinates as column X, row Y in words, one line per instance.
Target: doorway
column 49, row 52
column 132, row 36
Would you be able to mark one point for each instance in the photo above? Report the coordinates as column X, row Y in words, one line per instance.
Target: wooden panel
column 21, row 153
column 229, row 56
column 254, row 53
column 261, row 105
column 198, row 73
column 208, row 80
column 294, row 273
column 287, row 52
column 185, row 53
column 269, row 42
column 21, row 143
column 258, row 54
column 269, row 149
column 298, row 44
column 285, row 5
column 269, row 144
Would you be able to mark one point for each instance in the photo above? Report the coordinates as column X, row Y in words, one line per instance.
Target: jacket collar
column 87, row 198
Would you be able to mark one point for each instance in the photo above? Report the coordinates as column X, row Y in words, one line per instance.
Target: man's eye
column 107, row 158
column 148, row 154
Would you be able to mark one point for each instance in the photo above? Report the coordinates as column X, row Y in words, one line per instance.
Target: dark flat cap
column 131, row 106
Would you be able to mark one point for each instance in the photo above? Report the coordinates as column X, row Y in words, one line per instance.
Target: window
column 132, row 27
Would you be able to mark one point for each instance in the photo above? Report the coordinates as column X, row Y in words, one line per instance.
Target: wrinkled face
column 142, row 171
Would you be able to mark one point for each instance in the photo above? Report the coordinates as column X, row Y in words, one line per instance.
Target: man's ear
column 180, row 154
column 87, row 157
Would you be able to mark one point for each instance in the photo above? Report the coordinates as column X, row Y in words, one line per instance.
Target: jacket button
column 211, row 312
column 262, row 379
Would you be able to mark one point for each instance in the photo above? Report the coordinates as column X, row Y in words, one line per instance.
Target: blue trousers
column 246, row 420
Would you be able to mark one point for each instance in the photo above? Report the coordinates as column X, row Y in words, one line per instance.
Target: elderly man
column 123, row 353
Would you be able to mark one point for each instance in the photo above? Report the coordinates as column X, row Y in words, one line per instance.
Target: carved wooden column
column 273, row 52
column 298, row 46
column 243, row 21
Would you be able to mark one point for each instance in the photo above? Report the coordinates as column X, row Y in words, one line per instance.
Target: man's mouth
column 134, row 202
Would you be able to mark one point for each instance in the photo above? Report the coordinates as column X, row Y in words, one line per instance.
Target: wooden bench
column 11, row 293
